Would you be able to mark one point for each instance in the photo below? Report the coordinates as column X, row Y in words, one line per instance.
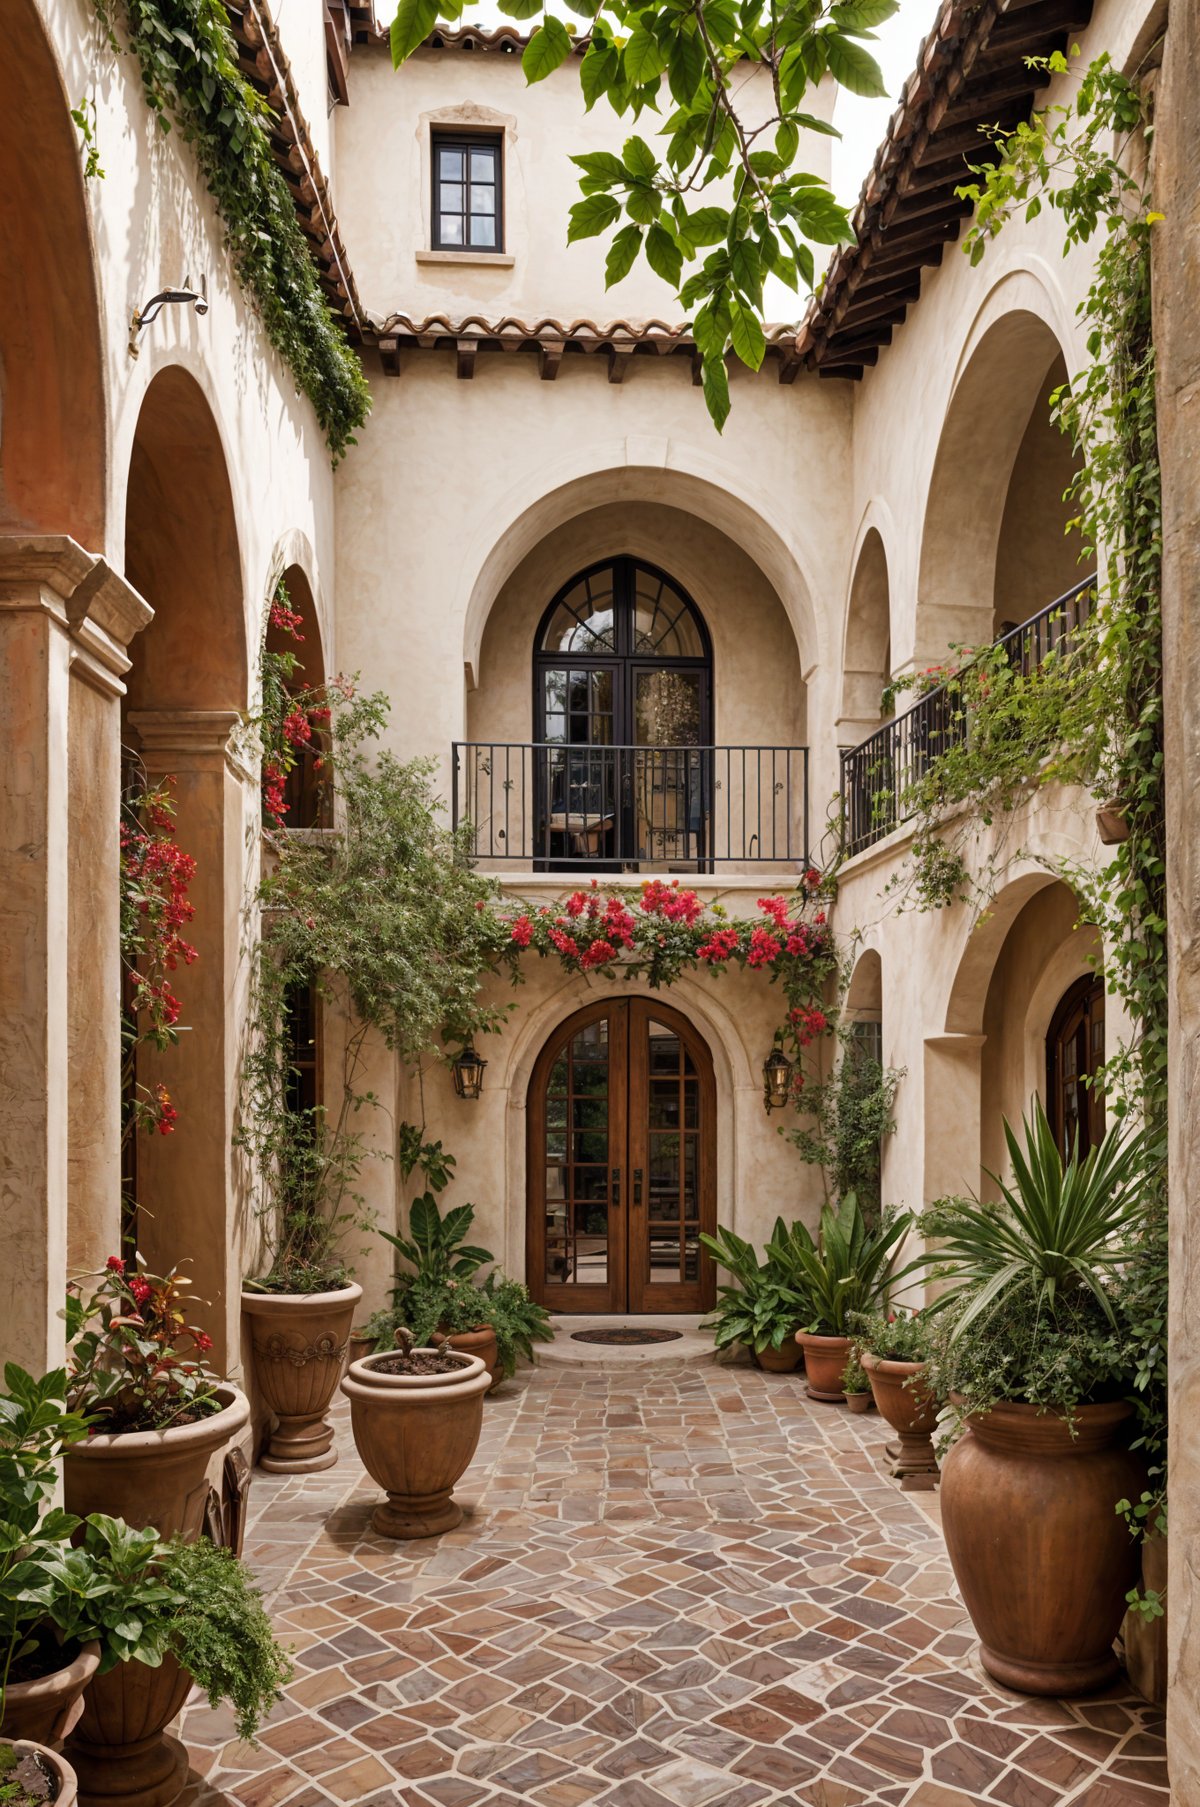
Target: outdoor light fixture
column 142, row 317
column 777, row 1079
column 468, row 1072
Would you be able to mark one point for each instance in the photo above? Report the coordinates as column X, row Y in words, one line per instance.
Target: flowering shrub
column 134, row 1361
column 294, row 721
column 155, row 910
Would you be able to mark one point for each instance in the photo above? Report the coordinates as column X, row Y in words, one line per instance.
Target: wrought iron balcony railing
column 552, row 807
column 879, row 774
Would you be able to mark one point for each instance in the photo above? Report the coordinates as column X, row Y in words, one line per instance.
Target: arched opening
column 994, row 546
column 622, row 1162
column 188, row 688
column 52, row 426
column 679, row 746
column 1074, row 1058
column 306, row 798
column 867, row 659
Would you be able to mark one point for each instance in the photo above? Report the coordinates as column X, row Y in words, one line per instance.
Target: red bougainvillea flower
column 115, row 1265
column 777, row 909
column 563, row 943
column 522, row 931
column 286, row 620
column 598, row 954
column 806, row 1025
column 764, row 948
column 576, row 903
column 721, row 945
column 296, row 729
column 167, row 1115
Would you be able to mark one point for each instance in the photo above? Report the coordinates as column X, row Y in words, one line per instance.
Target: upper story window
column 467, row 193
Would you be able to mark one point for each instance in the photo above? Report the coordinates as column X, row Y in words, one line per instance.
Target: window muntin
column 466, row 194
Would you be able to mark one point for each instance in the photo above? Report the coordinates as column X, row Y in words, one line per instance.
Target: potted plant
column 416, row 1415
column 32, row 1776
column 49, row 1648
column 844, row 1272
column 855, row 1384
column 436, row 1296
column 178, row 1613
column 517, row 1321
column 157, row 1413
column 762, row 1310
column 895, row 1350
column 1038, row 1359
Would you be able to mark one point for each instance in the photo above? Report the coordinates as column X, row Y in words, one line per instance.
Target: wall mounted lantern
column 777, row 1079
column 185, row 296
column 468, row 1072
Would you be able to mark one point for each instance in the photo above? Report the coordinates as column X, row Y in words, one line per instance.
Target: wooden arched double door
column 622, row 1163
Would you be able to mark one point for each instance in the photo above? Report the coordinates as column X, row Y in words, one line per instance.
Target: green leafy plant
column 895, row 1335
column 722, row 198
column 1058, row 1228
column 436, row 1247
column 764, row 1307
column 854, row 1376
column 850, row 1113
column 517, row 1320
column 191, row 79
column 136, row 1360
column 847, row 1268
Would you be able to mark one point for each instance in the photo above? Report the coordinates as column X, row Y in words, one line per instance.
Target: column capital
column 102, row 613
column 190, row 740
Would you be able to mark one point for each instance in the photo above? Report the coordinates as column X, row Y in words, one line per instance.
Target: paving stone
column 698, row 1590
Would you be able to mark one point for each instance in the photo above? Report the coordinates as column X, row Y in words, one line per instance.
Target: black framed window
column 467, row 194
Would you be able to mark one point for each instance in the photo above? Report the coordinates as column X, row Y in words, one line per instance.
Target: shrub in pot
column 1039, row 1361
column 761, row 1311
column 855, row 1385
column 416, row 1415
column 843, row 1272
column 179, row 1613
column 895, row 1347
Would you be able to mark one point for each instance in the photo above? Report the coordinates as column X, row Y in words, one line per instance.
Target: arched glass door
column 622, row 709
column 1074, row 1055
column 622, row 1125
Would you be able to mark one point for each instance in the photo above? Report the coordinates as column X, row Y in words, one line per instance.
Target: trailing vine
column 154, row 912
column 191, row 79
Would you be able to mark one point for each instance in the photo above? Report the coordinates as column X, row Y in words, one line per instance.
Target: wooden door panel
column 672, row 1169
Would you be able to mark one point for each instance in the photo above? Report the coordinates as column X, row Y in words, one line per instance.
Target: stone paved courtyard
column 680, row 1587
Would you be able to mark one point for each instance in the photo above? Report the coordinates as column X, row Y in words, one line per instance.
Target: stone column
column 187, row 1210
column 61, row 608
column 1177, row 335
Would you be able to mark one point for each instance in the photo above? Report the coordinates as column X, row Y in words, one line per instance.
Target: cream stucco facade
column 836, row 534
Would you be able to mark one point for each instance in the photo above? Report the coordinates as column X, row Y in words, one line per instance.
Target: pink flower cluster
column 670, row 902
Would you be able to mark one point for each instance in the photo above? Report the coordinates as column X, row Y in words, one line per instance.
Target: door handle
column 616, row 1186
column 637, row 1185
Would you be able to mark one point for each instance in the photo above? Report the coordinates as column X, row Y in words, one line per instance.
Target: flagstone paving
column 682, row 1587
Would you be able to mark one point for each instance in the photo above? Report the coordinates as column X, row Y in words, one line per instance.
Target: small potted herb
column 32, row 1776
column 855, row 1384
column 416, row 1415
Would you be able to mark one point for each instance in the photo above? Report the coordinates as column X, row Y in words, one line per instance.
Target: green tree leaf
column 854, row 68
column 643, row 59
column 640, row 160
column 663, row 255
column 549, row 47
column 715, row 380
column 746, row 334
column 414, row 21
column 592, row 216
column 622, row 254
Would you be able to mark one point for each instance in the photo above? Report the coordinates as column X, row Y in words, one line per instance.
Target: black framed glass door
column 622, row 713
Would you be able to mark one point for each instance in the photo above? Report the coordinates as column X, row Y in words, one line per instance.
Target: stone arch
column 53, row 435
column 993, row 544
column 294, row 560
column 188, row 688
column 867, row 644
column 864, row 994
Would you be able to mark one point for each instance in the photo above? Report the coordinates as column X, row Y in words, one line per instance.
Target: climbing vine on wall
column 191, row 79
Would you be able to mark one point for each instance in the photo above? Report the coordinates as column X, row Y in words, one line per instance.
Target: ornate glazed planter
column 119, row 1748
column 416, row 1434
column 300, row 1345
column 825, row 1359
column 1042, row 1557
column 64, row 1776
column 912, row 1414
column 44, row 1711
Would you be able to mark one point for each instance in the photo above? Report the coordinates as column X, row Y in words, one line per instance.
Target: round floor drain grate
column 625, row 1337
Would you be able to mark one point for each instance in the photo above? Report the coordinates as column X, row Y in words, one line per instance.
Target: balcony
column 878, row 776
column 550, row 806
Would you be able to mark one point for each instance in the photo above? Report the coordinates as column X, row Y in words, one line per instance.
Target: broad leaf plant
column 716, row 198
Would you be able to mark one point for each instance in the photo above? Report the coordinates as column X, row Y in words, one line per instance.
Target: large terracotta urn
column 1042, row 1557
column 416, row 1434
column 119, row 1748
column 481, row 1342
column 300, row 1343
column 50, row 1764
column 825, row 1359
column 911, row 1410
column 44, row 1711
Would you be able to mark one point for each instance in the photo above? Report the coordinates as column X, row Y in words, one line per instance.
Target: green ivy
column 191, row 79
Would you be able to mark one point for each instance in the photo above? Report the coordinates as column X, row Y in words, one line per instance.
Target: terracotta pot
column 912, row 1412
column 1042, row 1558
column 1146, row 1639
column 43, row 1711
column 157, row 1478
column 859, row 1402
column 358, row 1347
column 825, row 1359
column 481, row 1342
column 120, row 1750
column 1112, row 824
column 784, row 1360
column 299, row 1342
column 416, row 1434
column 67, row 1793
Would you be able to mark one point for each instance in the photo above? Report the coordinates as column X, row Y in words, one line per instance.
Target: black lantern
column 468, row 1072
column 777, row 1079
